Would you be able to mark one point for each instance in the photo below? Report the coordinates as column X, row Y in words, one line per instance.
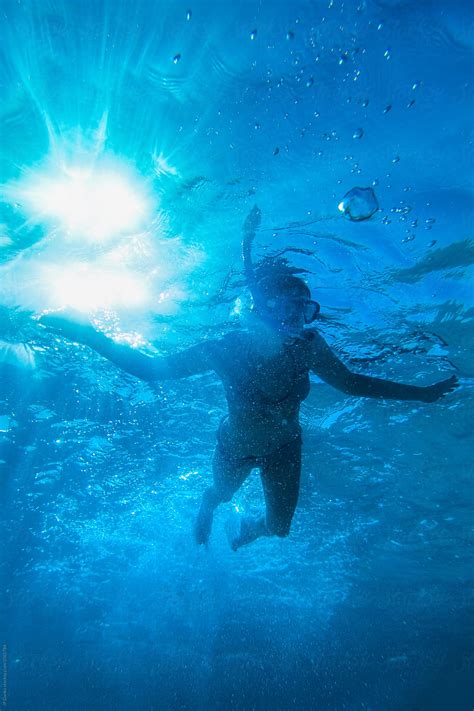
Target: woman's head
column 284, row 300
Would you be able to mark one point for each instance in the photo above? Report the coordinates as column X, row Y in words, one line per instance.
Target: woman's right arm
column 194, row 360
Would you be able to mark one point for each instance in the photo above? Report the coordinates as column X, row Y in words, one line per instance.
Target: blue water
column 207, row 108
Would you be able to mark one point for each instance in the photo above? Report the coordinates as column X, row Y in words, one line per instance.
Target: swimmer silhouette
column 265, row 374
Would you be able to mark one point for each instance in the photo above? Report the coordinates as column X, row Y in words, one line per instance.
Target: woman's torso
column 264, row 390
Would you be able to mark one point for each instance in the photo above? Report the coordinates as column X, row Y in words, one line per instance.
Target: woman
column 265, row 374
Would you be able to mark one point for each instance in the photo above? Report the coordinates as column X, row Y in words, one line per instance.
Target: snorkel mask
column 290, row 306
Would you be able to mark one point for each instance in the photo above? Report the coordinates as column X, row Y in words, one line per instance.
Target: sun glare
column 93, row 199
column 86, row 288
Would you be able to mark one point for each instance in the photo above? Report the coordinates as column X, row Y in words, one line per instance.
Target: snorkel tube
column 251, row 224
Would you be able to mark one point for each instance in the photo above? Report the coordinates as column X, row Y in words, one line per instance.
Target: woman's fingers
column 439, row 390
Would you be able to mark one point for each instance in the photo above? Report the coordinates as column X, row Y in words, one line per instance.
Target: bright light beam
column 86, row 288
column 93, row 200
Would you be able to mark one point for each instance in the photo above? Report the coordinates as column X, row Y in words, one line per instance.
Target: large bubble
column 359, row 204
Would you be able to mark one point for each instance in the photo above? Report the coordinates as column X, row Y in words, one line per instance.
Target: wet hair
column 275, row 277
column 279, row 284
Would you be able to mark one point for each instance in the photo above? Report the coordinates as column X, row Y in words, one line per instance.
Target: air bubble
column 396, row 159
column 176, row 58
column 388, row 53
column 365, row 103
column 387, row 109
column 189, row 15
column 290, row 35
column 359, row 204
column 410, row 104
column 358, row 133
column 253, row 34
column 310, row 82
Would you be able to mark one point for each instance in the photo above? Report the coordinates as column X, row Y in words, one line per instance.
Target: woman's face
column 290, row 309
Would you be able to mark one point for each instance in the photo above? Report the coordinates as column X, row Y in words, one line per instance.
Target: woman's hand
column 439, row 390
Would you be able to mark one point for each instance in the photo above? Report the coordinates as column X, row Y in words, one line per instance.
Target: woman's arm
column 194, row 360
column 325, row 364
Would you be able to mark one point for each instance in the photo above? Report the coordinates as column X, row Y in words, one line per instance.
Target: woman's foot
column 244, row 529
column 203, row 523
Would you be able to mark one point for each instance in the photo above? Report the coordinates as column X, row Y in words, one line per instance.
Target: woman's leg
column 229, row 475
column 280, row 474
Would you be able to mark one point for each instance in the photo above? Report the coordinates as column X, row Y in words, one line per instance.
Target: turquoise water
column 135, row 137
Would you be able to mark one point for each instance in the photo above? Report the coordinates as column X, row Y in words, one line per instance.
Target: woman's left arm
column 325, row 364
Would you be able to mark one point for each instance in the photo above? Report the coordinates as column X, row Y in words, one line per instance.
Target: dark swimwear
column 279, row 473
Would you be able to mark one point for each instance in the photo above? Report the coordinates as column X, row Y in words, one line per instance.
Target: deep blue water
column 178, row 118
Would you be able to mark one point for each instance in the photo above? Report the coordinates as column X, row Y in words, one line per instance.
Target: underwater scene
column 236, row 337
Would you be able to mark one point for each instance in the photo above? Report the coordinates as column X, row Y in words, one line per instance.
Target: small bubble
column 343, row 57
column 388, row 53
column 189, row 15
column 408, row 238
column 176, row 58
column 432, row 243
column 310, row 82
column 253, row 34
column 386, row 220
column 410, row 104
column 358, row 133
column 276, row 151
column 380, row 26
column 430, row 220
column 387, row 109
column 375, row 182
column 414, row 224
column 290, row 35
column 396, row 159
column 316, row 114
column 416, row 85
column 257, row 126
column 365, row 103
